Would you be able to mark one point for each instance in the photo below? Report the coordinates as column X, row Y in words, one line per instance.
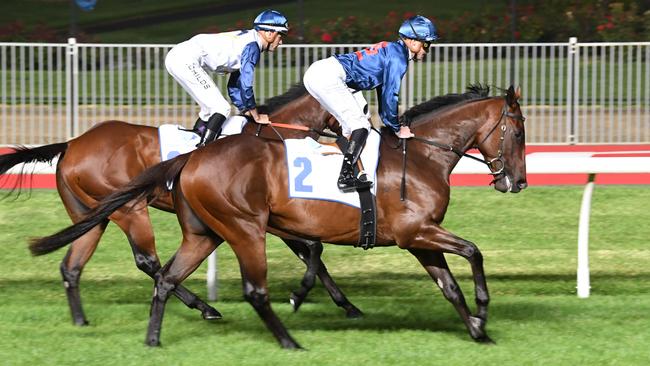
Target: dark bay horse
column 112, row 153
column 235, row 190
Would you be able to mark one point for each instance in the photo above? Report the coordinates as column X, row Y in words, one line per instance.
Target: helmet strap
column 414, row 32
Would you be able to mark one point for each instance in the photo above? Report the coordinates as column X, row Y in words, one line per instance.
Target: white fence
column 583, row 93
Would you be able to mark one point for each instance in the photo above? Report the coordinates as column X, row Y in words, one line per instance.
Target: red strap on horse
column 292, row 127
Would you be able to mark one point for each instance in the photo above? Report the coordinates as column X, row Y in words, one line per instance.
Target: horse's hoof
column 152, row 342
column 485, row 340
column 211, row 314
column 353, row 313
column 290, row 344
column 295, row 301
column 81, row 323
column 477, row 330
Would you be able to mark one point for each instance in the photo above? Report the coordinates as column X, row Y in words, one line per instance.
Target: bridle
column 496, row 164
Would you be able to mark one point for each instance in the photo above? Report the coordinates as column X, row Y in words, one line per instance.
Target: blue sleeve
column 389, row 96
column 240, row 84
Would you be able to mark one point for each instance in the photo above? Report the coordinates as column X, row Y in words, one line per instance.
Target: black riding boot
column 199, row 127
column 347, row 181
column 213, row 129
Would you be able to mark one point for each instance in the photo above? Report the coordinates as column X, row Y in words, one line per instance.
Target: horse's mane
column 474, row 92
column 296, row 91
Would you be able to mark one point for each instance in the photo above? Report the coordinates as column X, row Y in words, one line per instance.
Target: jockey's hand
column 405, row 132
column 263, row 119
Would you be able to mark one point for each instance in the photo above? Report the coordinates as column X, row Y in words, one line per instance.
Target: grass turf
column 529, row 244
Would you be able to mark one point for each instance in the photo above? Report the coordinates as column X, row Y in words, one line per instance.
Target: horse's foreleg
column 136, row 224
column 72, row 265
column 309, row 251
column 436, row 265
column 252, row 262
column 439, row 239
column 193, row 250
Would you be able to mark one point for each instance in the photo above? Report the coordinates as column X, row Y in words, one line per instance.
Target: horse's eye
column 519, row 135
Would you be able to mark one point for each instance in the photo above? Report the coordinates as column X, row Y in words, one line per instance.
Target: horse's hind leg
column 436, row 265
column 309, row 251
column 72, row 265
column 252, row 262
column 136, row 224
column 79, row 253
column 193, row 250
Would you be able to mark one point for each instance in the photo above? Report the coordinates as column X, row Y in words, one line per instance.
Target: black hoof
column 295, row 301
column 81, row 323
column 477, row 330
column 485, row 340
column 289, row 344
column 152, row 342
column 211, row 314
column 353, row 313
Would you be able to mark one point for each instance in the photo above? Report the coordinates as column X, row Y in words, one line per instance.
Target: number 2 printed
column 300, row 178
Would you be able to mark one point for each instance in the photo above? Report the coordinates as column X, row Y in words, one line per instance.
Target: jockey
column 333, row 80
column 236, row 53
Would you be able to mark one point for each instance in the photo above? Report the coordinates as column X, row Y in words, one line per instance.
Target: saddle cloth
column 314, row 169
column 175, row 140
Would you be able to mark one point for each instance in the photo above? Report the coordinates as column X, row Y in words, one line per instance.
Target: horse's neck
column 456, row 127
column 304, row 111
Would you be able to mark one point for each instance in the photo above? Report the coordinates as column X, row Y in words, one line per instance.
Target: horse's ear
column 510, row 95
column 518, row 92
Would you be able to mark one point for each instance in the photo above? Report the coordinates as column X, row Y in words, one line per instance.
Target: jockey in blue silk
column 333, row 80
column 235, row 53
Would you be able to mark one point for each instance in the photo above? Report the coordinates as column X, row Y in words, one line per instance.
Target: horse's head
column 502, row 141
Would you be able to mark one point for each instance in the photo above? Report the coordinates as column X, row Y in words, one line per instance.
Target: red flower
column 408, row 14
column 326, row 37
column 600, row 27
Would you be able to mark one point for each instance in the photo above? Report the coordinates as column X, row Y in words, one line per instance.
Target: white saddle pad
column 174, row 140
column 314, row 169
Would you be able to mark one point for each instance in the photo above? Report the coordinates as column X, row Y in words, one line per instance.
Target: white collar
column 258, row 40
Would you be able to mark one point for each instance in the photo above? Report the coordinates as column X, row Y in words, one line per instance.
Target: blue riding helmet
column 271, row 20
column 419, row 28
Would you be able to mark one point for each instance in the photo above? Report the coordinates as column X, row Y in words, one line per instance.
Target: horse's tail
column 143, row 186
column 24, row 155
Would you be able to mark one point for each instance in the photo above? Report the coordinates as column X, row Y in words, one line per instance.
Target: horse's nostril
column 522, row 185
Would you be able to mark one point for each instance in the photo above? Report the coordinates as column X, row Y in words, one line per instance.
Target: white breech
column 188, row 72
column 325, row 81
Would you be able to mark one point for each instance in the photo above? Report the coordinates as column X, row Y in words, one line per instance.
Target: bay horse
column 237, row 189
column 112, row 153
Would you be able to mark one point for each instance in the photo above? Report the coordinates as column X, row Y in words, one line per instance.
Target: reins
column 273, row 126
